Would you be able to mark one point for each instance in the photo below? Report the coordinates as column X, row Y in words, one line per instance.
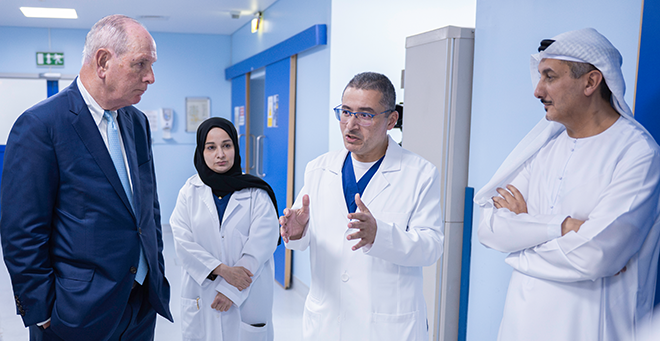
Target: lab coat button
column 344, row 277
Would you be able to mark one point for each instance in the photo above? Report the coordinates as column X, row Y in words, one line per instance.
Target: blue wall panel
column 648, row 88
column 313, row 36
column 465, row 263
column 53, row 87
column 2, row 157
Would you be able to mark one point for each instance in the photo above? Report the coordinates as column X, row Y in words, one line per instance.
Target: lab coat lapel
column 236, row 203
column 391, row 163
column 335, row 167
column 207, row 199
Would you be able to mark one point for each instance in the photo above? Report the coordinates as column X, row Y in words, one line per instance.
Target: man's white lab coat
column 248, row 238
column 373, row 293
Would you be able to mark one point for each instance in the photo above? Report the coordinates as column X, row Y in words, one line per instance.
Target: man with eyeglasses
column 377, row 197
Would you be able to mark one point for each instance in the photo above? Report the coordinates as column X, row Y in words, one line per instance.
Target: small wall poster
column 198, row 109
column 273, row 104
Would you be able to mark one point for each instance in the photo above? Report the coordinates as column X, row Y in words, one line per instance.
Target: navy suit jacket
column 70, row 239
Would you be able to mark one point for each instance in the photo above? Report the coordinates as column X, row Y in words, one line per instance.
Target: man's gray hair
column 378, row 82
column 110, row 33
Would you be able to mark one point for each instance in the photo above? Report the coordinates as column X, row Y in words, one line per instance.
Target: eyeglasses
column 364, row 119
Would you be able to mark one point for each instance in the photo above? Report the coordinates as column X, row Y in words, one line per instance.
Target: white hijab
column 585, row 45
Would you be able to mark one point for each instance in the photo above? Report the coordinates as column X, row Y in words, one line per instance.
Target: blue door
column 276, row 149
column 264, row 119
column 239, row 109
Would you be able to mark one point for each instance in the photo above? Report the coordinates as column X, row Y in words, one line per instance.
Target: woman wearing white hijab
column 598, row 282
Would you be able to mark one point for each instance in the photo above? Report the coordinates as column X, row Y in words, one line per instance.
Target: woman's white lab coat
column 373, row 293
column 248, row 238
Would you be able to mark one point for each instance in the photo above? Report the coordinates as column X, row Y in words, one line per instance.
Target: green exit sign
column 50, row 59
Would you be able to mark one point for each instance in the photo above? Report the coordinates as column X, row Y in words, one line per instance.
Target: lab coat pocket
column 252, row 333
column 192, row 319
column 240, row 219
column 397, row 327
column 311, row 317
column 235, row 249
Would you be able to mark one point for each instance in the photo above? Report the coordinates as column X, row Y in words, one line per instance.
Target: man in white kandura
column 579, row 215
column 392, row 213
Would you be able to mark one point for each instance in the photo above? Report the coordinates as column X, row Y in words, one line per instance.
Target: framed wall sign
column 198, row 109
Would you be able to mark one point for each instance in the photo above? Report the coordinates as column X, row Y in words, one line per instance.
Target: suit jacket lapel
column 88, row 131
column 127, row 135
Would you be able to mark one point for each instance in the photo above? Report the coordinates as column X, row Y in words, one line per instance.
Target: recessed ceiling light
column 54, row 13
column 154, row 17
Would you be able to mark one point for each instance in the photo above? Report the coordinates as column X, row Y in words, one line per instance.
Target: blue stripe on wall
column 2, row 157
column 465, row 263
column 648, row 88
column 313, row 36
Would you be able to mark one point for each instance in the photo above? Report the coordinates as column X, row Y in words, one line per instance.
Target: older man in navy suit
column 80, row 220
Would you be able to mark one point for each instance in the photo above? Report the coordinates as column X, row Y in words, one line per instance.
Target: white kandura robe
column 567, row 287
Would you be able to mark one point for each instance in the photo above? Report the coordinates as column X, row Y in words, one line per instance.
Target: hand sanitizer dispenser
column 167, row 116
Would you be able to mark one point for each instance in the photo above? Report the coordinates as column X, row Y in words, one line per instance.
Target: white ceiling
column 182, row 16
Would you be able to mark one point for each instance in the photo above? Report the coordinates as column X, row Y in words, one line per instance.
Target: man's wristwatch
column 212, row 276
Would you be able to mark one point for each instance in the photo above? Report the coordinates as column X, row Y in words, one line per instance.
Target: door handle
column 239, row 142
column 259, row 156
column 253, row 157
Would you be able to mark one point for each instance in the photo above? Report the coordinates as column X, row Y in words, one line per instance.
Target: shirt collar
column 94, row 108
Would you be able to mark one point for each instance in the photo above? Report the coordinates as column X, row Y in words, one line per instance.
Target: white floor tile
column 287, row 310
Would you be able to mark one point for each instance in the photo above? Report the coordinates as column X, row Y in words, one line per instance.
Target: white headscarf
column 585, row 45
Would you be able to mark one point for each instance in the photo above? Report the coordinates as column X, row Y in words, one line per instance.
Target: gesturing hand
column 512, row 200
column 221, row 302
column 293, row 222
column 365, row 222
column 237, row 276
